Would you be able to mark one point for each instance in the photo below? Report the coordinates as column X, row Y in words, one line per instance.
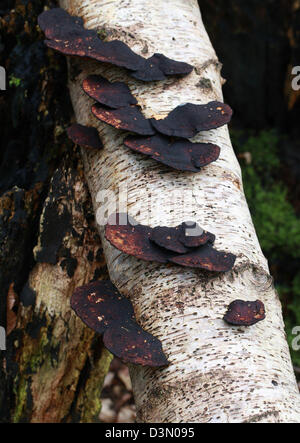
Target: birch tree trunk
column 218, row 373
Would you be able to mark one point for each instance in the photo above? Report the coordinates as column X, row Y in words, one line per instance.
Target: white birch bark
column 218, row 373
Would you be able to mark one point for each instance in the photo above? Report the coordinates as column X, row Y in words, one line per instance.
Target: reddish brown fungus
column 181, row 238
column 165, row 245
column 206, row 257
column 158, row 67
column 187, row 120
column 115, row 95
column 182, row 154
column 85, row 136
column 134, row 240
column 245, row 313
column 67, row 35
column 129, row 118
column 101, row 307
column 192, row 236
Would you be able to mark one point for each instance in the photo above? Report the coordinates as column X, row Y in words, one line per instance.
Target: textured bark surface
column 60, row 363
column 218, row 373
column 53, row 366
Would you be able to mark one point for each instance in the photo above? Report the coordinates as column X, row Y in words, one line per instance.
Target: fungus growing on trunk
column 181, row 238
column 102, row 308
column 165, row 245
column 180, row 154
column 129, row 118
column 159, row 66
column 206, row 257
column 134, row 239
column 66, row 34
column 85, row 136
column 187, row 120
column 245, row 313
column 114, row 95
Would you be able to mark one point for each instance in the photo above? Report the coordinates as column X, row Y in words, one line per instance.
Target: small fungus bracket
column 245, row 313
column 129, row 118
column 114, row 95
column 181, row 238
column 134, row 239
column 85, row 136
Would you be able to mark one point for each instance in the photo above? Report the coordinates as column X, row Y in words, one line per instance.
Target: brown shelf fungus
column 85, row 136
column 180, row 154
column 245, row 313
column 129, row 118
column 102, row 308
column 66, row 34
column 189, row 119
column 114, row 95
column 134, row 239
column 167, row 245
column 181, row 238
column 206, row 257
column 158, row 67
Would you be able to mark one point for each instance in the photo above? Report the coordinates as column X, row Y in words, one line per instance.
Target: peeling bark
column 218, row 373
column 58, row 358
column 55, row 363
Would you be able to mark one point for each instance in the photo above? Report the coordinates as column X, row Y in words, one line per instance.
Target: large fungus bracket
column 177, row 154
column 102, row 308
column 189, row 119
column 66, row 34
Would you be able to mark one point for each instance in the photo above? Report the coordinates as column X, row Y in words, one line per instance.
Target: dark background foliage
column 258, row 44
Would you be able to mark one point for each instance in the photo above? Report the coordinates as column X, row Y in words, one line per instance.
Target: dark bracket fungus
column 102, row 308
column 66, row 34
column 181, row 155
column 206, row 257
column 134, row 240
column 173, row 245
column 181, row 238
column 189, row 119
column 85, row 136
column 245, row 313
column 114, row 95
column 159, row 66
column 129, row 118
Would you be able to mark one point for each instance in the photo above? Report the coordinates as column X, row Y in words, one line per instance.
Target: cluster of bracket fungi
column 185, row 245
column 99, row 304
column 101, row 307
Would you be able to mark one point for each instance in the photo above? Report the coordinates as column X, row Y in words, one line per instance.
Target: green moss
column 277, row 225
column 21, row 401
column 37, row 358
column 90, row 399
column 14, row 81
column 102, row 34
column 35, row 352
